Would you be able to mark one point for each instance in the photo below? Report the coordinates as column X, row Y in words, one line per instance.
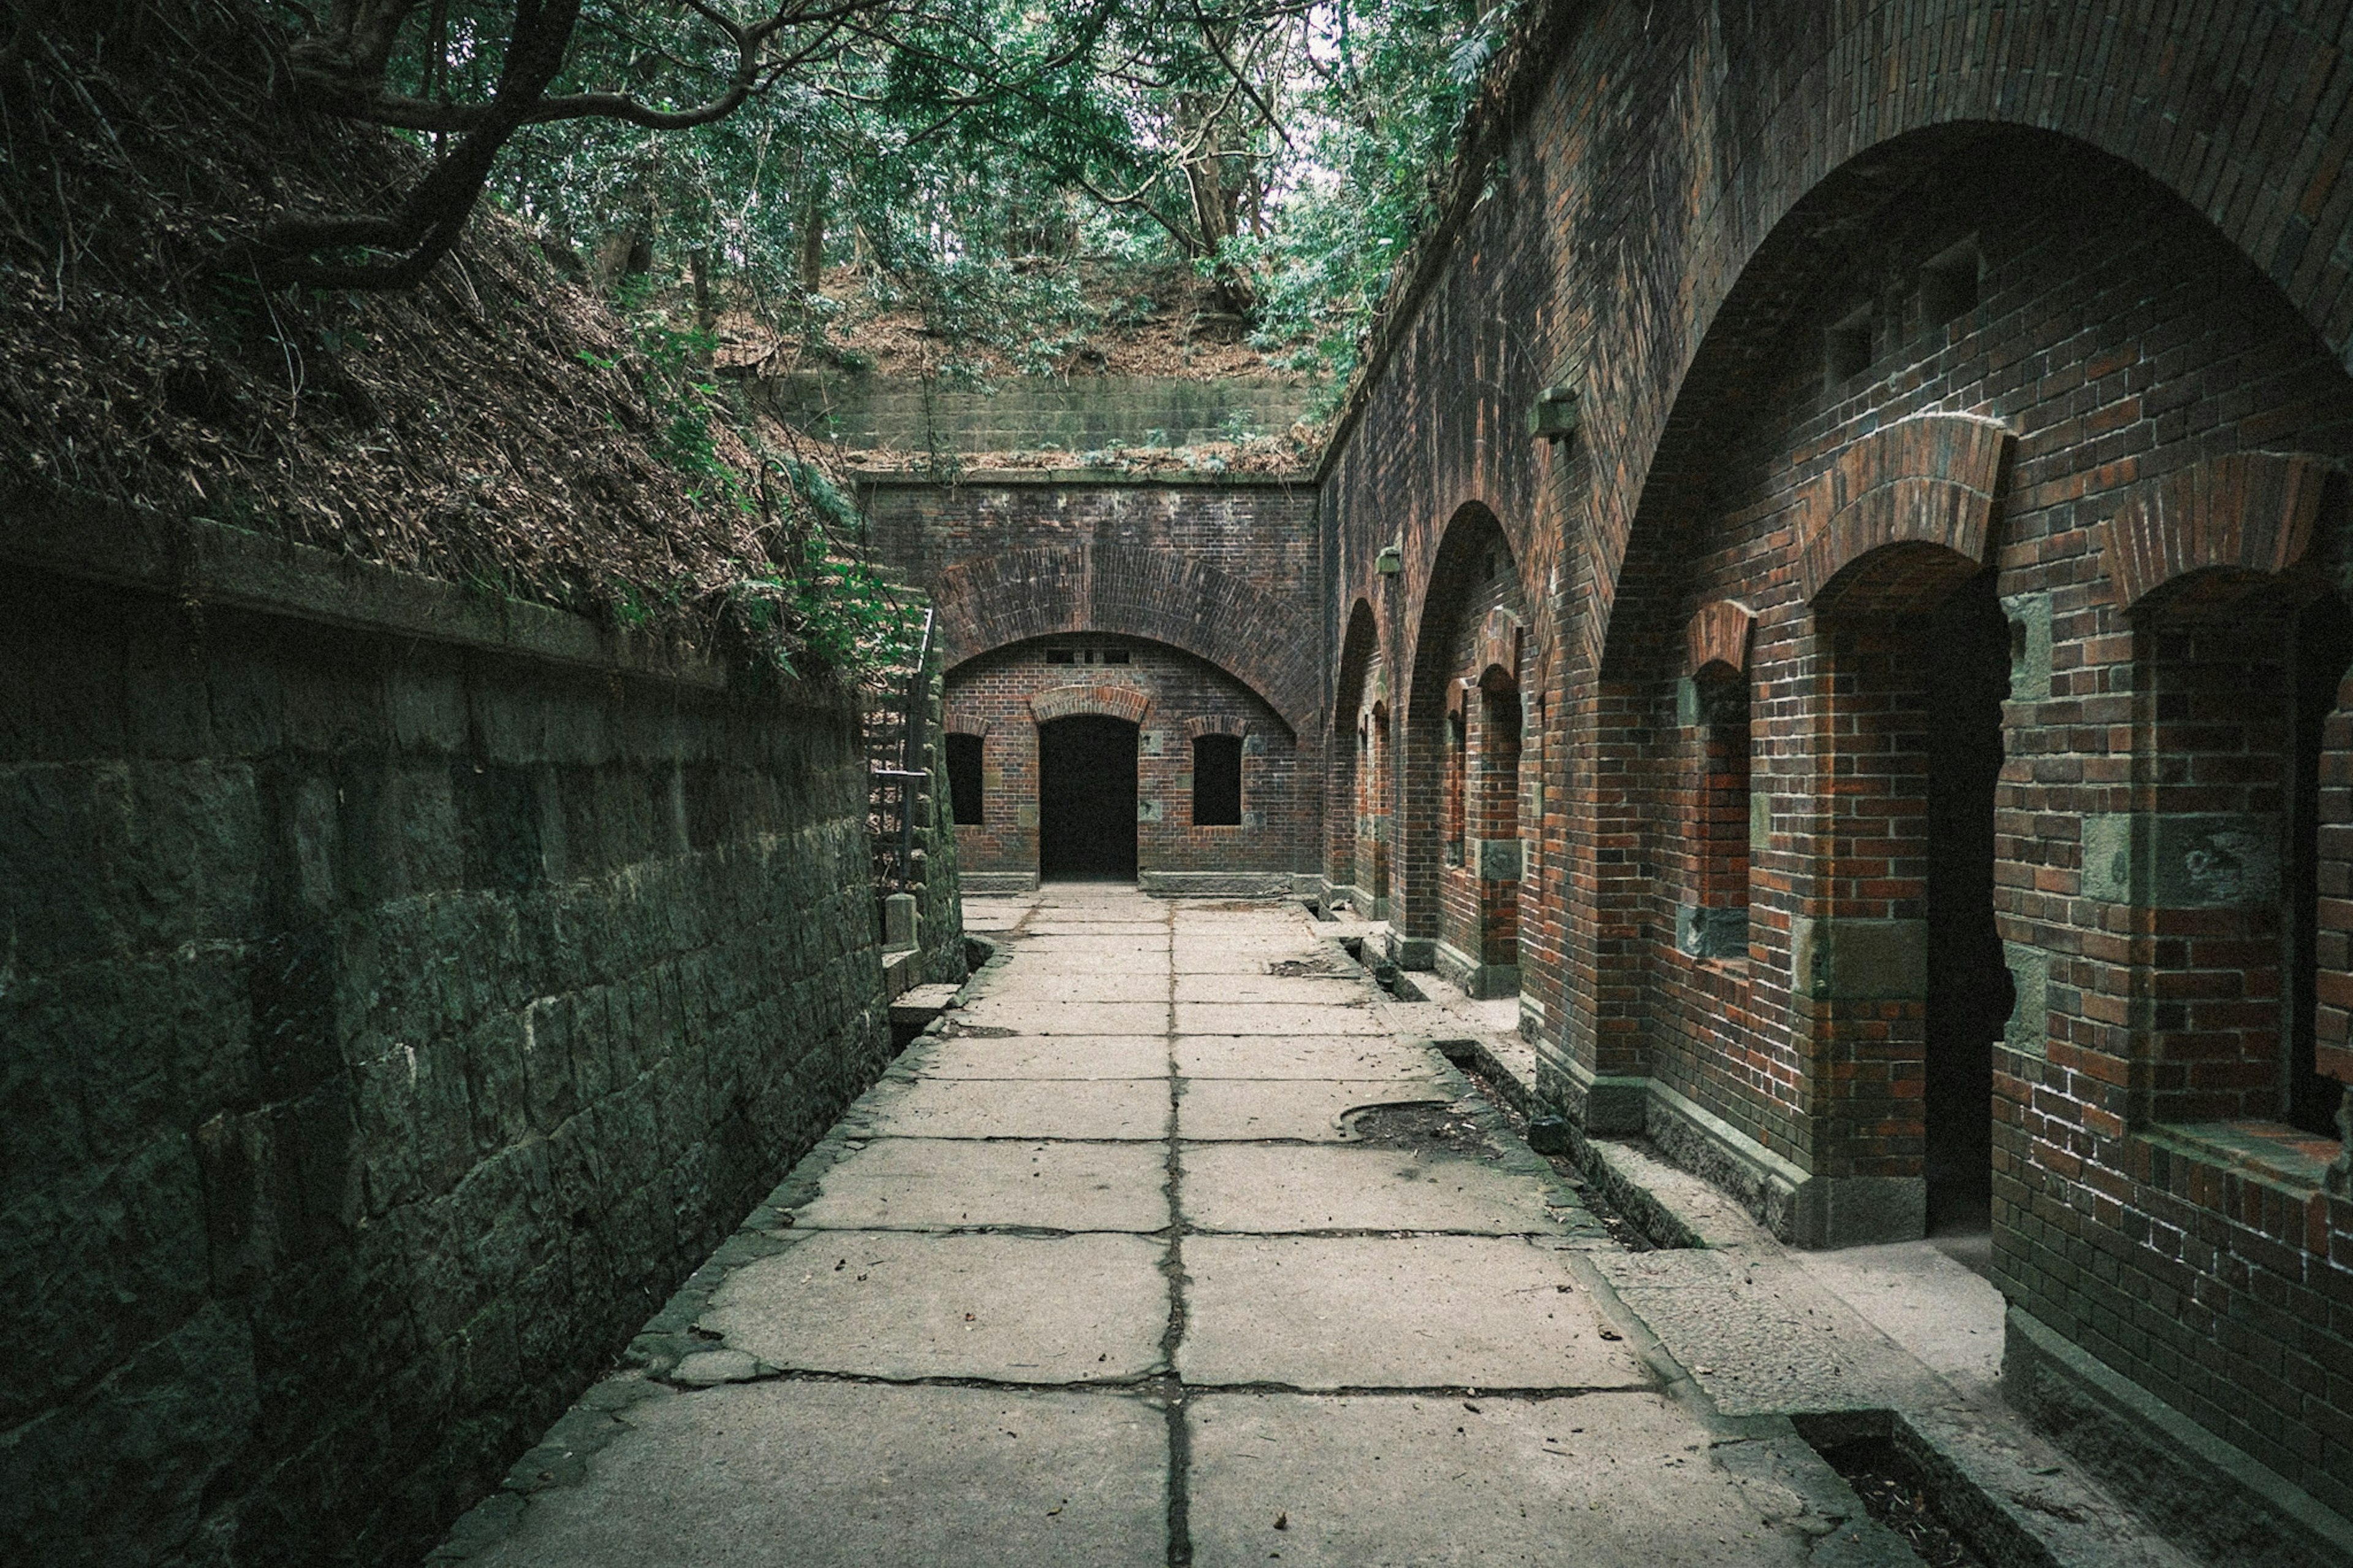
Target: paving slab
column 1059, row 922
column 941, row 1184
column 825, row 1475
column 1026, row 1011
column 1355, row 1057
column 1315, row 990
column 1092, row 981
column 1224, row 1108
column 896, row 1304
column 1332, row 1312
column 1290, row 1187
column 1386, row 1481
column 1761, row 1339
column 1047, row 1056
column 1210, row 958
column 1278, row 1018
column 1022, row 1108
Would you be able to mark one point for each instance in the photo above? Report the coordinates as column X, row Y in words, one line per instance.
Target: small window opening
column 1846, row 347
column 1216, row 781
column 1718, row 926
column 1457, row 787
column 1948, row 285
column 1117, row 655
column 964, row 780
column 1061, row 656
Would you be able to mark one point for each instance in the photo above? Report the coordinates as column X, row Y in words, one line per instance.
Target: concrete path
column 1163, row 1248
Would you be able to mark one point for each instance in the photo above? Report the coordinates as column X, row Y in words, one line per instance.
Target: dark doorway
column 1969, row 991
column 1086, row 799
column 964, row 780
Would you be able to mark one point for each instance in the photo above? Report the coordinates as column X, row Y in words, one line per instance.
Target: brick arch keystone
column 1500, row 638
column 2252, row 512
column 1718, row 634
column 1127, row 590
column 1099, row 702
column 1929, row 480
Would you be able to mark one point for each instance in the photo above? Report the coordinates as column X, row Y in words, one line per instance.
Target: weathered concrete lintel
column 2189, row 1482
column 983, row 884
column 216, row 565
column 2182, row 861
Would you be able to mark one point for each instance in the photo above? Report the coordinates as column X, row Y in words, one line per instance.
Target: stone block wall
column 402, row 994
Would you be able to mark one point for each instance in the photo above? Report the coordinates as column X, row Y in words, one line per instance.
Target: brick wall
column 1841, row 341
column 1002, row 695
column 1207, row 587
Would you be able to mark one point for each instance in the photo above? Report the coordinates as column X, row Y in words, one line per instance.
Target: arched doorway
column 1086, row 799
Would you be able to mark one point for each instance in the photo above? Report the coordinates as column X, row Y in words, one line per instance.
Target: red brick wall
column 1205, row 583
column 1683, row 207
column 992, row 696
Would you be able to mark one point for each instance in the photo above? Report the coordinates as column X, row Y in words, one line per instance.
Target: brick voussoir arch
column 1929, row 480
column 1718, row 635
column 1129, row 591
column 1123, row 702
column 2244, row 513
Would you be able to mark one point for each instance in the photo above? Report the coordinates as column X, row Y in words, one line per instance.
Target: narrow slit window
column 1216, row 781
column 1846, row 347
column 964, row 780
column 1948, row 285
column 1061, row 656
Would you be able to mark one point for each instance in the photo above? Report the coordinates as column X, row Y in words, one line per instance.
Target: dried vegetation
column 495, row 427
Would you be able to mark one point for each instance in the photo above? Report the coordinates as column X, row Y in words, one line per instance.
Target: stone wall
column 1028, row 413
column 403, row 993
column 1857, row 302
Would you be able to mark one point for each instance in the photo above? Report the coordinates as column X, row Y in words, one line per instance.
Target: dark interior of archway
column 2323, row 650
column 1086, row 799
column 1967, row 665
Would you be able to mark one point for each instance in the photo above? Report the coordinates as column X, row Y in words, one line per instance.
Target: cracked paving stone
column 1603, row 1478
column 1288, row 1108
column 1285, row 1187
column 828, row 1474
column 1024, row 1108
column 1047, row 1056
column 943, row 1183
column 1327, row 1057
column 1321, row 1312
column 1014, row 1309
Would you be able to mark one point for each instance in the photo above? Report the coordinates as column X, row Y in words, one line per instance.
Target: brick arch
column 1501, row 639
column 1903, row 514
column 1418, row 779
column 1127, row 590
column 1215, row 724
column 1100, row 701
column 2241, row 515
column 1718, row 634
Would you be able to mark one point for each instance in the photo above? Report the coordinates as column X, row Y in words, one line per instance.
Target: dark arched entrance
column 1086, row 798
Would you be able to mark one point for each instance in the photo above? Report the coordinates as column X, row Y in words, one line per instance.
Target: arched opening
column 1461, row 860
column 1086, row 799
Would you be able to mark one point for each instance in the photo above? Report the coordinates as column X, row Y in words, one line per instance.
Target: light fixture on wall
column 1390, row 561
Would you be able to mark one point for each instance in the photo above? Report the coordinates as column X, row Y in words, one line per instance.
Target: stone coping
column 216, row 565
column 920, row 477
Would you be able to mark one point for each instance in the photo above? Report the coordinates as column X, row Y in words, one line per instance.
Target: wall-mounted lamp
column 1390, row 561
column 1553, row 416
